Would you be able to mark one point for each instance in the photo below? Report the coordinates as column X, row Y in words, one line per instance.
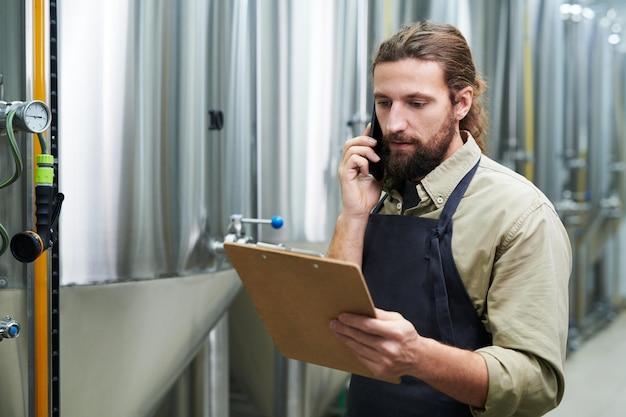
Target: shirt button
column 439, row 200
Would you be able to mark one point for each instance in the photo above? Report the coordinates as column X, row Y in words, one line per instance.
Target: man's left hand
column 386, row 344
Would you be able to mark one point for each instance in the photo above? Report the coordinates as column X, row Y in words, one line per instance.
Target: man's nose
column 396, row 119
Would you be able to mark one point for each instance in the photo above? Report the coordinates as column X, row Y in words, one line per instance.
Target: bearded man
column 467, row 262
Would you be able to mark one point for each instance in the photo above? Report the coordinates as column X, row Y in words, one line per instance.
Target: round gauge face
column 36, row 116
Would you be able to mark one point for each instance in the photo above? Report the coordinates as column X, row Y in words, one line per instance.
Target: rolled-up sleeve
column 527, row 314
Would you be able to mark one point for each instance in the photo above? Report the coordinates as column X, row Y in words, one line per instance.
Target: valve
column 9, row 328
column 28, row 245
column 236, row 232
column 276, row 221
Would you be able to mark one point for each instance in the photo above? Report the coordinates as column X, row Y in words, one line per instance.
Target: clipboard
column 297, row 295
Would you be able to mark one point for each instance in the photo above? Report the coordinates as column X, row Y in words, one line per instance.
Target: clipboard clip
column 281, row 246
column 236, row 232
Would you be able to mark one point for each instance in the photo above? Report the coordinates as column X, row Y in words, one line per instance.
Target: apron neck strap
column 455, row 197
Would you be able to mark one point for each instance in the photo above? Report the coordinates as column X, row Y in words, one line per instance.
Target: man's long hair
column 442, row 43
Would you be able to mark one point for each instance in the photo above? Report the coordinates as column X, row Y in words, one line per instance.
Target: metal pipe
column 529, row 107
column 217, row 371
column 296, row 382
column 202, row 390
column 362, row 67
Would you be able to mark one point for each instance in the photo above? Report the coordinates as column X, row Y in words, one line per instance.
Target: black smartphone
column 377, row 169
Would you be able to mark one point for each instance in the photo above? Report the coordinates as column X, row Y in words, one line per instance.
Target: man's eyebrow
column 419, row 96
column 412, row 96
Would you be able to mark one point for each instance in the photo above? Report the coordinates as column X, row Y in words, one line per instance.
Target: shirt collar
column 440, row 182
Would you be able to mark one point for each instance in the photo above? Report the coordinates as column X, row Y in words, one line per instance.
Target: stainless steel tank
column 149, row 184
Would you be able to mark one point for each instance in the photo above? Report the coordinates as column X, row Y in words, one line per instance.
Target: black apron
column 409, row 268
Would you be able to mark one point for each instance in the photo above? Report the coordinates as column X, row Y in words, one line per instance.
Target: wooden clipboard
column 297, row 295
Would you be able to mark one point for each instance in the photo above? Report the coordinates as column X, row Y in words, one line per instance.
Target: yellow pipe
column 41, row 276
column 528, row 100
column 388, row 18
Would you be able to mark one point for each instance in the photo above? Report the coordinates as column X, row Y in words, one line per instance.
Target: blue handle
column 277, row 222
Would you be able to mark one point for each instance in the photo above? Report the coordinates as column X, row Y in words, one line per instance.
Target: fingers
column 366, row 325
column 359, row 190
column 367, row 130
column 375, row 325
column 388, row 344
column 363, row 344
column 357, row 332
column 382, row 354
column 357, row 153
column 367, row 331
column 361, row 145
column 354, row 163
column 379, row 333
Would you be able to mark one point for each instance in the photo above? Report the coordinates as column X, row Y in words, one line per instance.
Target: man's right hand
column 359, row 190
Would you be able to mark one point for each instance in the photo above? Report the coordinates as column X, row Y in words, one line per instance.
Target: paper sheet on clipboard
column 297, row 295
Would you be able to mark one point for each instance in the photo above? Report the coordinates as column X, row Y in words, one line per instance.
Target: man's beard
column 403, row 166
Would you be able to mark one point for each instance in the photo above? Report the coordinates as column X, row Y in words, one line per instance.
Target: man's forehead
column 409, row 77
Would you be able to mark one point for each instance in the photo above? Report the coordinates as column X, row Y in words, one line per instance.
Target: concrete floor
column 596, row 375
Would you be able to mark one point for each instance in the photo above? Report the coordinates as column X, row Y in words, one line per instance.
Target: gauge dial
column 35, row 115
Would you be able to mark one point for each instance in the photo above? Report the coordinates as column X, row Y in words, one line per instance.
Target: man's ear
column 463, row 104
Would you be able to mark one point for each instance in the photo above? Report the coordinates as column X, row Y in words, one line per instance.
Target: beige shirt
column 514, row 257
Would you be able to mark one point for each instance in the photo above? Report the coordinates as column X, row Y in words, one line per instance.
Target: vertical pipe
column 217, row 372
column 283, row 33
column 528, row 99
column 362, row 69
column 257, row 183
column 511, row 155
column 296, row 384
column 41, row 284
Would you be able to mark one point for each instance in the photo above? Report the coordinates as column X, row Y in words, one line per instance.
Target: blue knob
column 277, row 222
column 13, row 331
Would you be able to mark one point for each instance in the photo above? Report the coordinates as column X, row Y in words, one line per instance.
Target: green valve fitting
column 44, row 173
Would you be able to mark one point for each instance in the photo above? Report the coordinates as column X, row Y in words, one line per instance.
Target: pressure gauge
column 34, row 116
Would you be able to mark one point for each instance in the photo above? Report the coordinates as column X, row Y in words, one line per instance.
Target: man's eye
column 417, row 104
